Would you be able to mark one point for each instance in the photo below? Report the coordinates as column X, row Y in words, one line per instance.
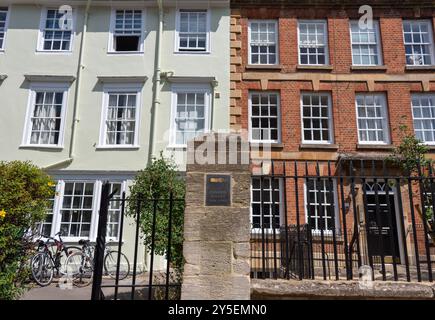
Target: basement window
column 127, row 31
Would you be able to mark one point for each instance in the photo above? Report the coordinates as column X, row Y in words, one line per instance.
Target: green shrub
column 24, row 193
column 157, row 181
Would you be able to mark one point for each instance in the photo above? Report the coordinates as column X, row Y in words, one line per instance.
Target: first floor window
column 263, row 39
column 418, row 43
column 372, row 118
column 76, row 209
column 313, row 43
column 192, row 30
column 121, row 118
column 57, row 31
column 264, row 111
column 320, row 198
column 266, row 203
column 316, row 118
column 127, row 30
column 3, row 26
column 46, row 117
column 423, row 110
column 190, row 114
column 365, row 44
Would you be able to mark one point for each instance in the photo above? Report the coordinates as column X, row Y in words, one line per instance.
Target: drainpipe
column 157, row 81
column 80, row 67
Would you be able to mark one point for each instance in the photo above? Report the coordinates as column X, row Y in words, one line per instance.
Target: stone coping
column 270, row 289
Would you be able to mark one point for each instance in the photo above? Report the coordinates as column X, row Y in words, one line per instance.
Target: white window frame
column 8, row 14
column 326, row 38
column 189, row 88
column 330, row 118
column 119, row 88
column 317, row 232
column 53, row 211
column 275, row 22
column 94, row 211
column 177, row 32
column 432, row 119
column 280, row 203
column 378, row 43
column 111, row 44
column 98, row 184
column 278, row 117
column 55, row 87
column 387, row 138
column 431, row 39
column 41, row 33
column 123, row 184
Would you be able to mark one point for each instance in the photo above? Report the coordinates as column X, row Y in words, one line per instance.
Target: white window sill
column 264, row 142
column 60, row 52
column 41, row 146
column 118, row 147
column 193, row 52
column 316, row 142
column 126, row 53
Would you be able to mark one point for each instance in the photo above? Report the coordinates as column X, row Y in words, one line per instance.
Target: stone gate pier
column 216, row 221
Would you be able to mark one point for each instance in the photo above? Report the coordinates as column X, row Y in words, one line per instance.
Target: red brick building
column 317, row 82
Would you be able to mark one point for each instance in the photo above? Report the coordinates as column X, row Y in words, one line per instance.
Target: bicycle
column 44, row 262
column 80, row 265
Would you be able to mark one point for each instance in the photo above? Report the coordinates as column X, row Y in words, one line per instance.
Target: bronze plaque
column 218, row 190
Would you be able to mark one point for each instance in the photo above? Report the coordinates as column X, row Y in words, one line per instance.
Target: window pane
column 192, row 30
column 264, row 116
column 315, row 118
column 121, row 118
column 418, row 42
column 372, row 118
column 263, row 42
column 190, row 118
column 46, row 118
column 57, row 35
column 76, row 222
column 266, row 203
column 424, row 117
column 312, row 43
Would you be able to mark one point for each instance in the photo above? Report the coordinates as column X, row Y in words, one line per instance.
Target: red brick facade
column 393, row 79
column 342, row 81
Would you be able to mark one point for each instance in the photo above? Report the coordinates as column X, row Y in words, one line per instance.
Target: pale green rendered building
column 90, row 90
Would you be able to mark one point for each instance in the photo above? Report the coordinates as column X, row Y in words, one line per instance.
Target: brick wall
column 394, row 80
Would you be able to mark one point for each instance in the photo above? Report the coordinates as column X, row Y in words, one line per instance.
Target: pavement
column 61, row 291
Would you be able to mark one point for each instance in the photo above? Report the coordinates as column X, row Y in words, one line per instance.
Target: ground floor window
column 266, row 203
column 74, row 210
column 320, row 197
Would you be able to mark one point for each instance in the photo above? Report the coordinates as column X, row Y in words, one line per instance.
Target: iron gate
column 141, row 283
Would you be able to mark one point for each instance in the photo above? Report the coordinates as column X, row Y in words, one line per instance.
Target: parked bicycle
column 80, row 265
column 51, row 256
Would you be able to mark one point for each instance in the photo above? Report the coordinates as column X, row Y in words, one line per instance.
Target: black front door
column 382, row 239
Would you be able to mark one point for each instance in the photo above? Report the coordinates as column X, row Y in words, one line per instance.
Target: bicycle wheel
column 79, row 268
column 110, row 265
column 42, row 269
column 64, row 258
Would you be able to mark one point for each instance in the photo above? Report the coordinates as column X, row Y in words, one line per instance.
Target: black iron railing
column 146, row 280
column 325, row 220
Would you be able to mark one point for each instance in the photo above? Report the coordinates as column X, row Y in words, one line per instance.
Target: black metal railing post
column 101, row 243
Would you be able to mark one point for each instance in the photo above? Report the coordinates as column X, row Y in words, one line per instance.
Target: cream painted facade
column 81, row 157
